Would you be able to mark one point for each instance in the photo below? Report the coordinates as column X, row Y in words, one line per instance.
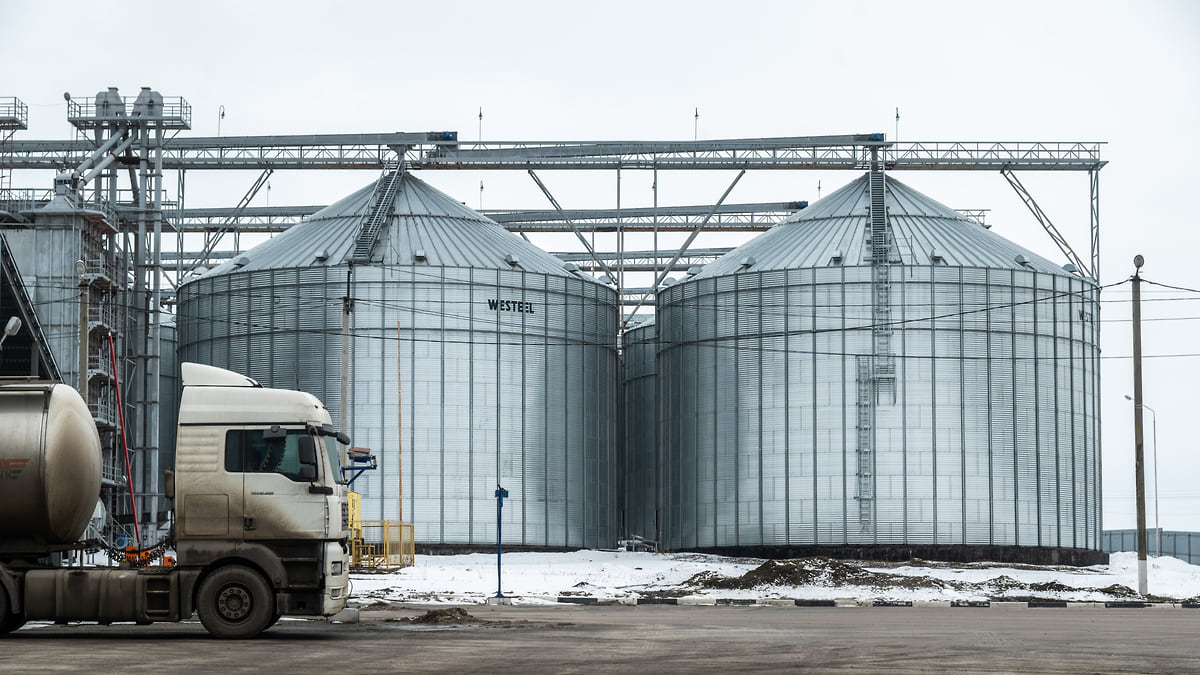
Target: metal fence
column 1159, row 542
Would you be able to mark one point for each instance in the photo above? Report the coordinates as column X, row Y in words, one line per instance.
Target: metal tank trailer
column 50, row 442
column 475, row 359
column 880, row 377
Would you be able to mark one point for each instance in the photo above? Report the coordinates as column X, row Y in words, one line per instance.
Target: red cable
column 125, row 443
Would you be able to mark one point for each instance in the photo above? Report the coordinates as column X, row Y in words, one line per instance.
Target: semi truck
column 259, row 521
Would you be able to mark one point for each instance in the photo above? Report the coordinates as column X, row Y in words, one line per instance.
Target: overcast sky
column 1126, row 73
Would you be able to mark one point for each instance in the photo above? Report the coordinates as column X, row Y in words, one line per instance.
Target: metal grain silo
column 880, row 376
column 640, row 458
column 506, row 361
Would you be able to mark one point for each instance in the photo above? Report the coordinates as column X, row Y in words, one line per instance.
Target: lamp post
column 10, row 329
column 1154, row 453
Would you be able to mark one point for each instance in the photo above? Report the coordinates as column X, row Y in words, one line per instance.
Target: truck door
column 277, row 502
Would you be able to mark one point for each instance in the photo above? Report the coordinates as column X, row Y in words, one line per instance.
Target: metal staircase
column 377, row 215
column 876, row 374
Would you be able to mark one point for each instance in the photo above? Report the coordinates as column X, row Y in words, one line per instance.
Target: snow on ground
column 533, row 578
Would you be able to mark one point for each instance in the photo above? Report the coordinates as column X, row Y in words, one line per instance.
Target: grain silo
column 506, row 360
column 880, row 376
column 640, row 459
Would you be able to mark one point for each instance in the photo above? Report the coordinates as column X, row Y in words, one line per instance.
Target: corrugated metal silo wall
column 640, row 457
column 169, row 390
column 505, row 376
column 991, row 439
column 46, row 256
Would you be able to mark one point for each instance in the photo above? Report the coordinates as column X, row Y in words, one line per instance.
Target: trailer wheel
column 8, row 621
column 235, row 602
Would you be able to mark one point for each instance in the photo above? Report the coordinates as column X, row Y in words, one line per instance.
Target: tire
column 235, row 602
column 9, row 622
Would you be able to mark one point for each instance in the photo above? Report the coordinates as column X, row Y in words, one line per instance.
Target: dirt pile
column 817, row 571
column 442, row 617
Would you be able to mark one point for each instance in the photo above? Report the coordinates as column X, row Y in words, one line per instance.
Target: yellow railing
column 381, row 546
column 378, row 545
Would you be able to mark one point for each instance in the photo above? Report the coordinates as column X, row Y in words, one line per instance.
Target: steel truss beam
column 730, row 217
column 647, row 261
column 373, row 151
column 634, row 261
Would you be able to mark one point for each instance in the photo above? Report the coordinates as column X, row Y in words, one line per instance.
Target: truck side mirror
column 307, row 449
column 169, row 484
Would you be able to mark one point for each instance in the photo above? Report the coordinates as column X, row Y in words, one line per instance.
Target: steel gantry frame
column 442, row 151
column 143, row 218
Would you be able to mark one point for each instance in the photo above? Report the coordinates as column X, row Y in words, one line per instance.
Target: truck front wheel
column 235, row 602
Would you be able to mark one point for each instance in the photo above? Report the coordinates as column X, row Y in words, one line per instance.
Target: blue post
column 501, row 493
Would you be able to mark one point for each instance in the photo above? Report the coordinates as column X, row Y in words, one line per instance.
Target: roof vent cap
column 571, row 267
column 322, row 255
column 512, row 260
column 419, row 255
column 1071, row 268
column 241, row 261
column 1021, row 260
column 694, row 270
column 936, row 256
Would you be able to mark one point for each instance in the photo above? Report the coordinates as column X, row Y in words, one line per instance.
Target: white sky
column 1127, row 73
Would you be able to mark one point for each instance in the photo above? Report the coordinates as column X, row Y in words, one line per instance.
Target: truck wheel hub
column 234, row 603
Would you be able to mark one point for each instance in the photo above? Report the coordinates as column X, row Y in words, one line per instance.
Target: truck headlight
column 337, row 568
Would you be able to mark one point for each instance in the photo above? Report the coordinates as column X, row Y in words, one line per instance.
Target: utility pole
column 1139, row 447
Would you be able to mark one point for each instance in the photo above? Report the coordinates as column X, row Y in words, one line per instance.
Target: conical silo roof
column 833, row 231
column 423, row 220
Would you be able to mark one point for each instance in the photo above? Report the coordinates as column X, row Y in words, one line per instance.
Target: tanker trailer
column 260, row 510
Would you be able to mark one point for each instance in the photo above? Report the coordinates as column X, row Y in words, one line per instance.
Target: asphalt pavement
column 647, row 638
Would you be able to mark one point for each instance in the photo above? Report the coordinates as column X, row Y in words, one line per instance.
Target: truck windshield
column 337, row 457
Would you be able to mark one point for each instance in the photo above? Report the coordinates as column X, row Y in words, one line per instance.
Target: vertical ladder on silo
column 865, row 489
column 378, row 213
